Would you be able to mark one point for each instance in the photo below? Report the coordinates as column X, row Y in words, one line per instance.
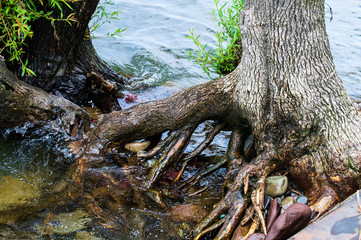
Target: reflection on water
column 153, row 49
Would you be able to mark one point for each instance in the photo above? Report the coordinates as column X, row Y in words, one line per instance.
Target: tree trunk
column 22, row 104
column 285, row 90
column 62, row 57
column 289, row 90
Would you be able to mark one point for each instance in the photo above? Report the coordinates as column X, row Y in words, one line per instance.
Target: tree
column 62, row 55
column 285, row 91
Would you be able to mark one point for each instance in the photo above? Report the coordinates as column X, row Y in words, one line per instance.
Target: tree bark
column 62, row 55
column 285, row 90
column 289, row 90
column 22, row 104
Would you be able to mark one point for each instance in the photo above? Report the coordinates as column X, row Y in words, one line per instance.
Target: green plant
column 101, row 16
column 16, row 17
column 226, row 56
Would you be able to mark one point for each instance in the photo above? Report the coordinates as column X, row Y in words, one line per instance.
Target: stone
column 302, row 199
column 272, row 214
column 187, row 213
column 295, row 218
column 256, row 236
column 65, row 223
column 150, row 163
column 16, row 193
column 276, row 186
column 17, row 199
column 83, row 235
column 286, row 202
column 137, row 146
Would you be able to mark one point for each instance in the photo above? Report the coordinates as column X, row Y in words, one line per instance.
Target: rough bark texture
column 285, row 89
column 62, row 55
column 289, row 90
column 21, row 103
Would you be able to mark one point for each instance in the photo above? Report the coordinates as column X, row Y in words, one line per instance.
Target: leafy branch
column 16, row 17
column 102, row 16
column 227, row 54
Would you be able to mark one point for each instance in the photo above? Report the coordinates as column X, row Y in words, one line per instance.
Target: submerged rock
column 65, row 223
column 294, row 219
column 187, row 213
column 302, row 199
column 137, row 146
column 17, row 198
column 83, row 235
column 276, row 186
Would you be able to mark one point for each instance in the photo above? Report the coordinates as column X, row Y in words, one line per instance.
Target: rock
column 65, row 223
column 286, row 202
column 272, row 214
column 256, row 236
column 187, row 213
column 17, row 199
column 16, row 193
column 94, row 112
column 83, row 235
column 150, row 163
column 302, row 199
column 295, row 218
column 276, row 186
column 137, row 146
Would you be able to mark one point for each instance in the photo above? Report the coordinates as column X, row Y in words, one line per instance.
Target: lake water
column 154, row 50
column 154, row 45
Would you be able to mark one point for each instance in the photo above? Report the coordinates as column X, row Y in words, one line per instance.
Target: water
column 153, row 49
column 154, row 45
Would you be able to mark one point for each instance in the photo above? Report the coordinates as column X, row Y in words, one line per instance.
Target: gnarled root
column 237, row 199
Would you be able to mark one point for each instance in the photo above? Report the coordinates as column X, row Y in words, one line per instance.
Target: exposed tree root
column 234, row 204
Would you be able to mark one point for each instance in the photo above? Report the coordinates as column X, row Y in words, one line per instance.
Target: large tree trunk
column 285, row 90
column 289, row 91
column 64, row 60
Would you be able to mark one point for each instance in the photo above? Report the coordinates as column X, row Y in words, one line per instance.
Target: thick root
column 326, row 199
column 234, row 204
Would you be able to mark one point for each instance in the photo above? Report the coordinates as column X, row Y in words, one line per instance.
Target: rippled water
column 153, row 49
column 154, row 44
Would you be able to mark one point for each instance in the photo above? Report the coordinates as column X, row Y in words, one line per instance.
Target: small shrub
column 226, row 56
column 16, row 17
column 101, row 16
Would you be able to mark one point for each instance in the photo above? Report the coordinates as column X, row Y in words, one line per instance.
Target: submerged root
column 172, row 149
column 238, row 200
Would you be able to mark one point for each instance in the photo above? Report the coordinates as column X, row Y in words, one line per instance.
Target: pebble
column 276, row 186
column 302, row 199
column 295, row 218
column 187, row 213
column 241, row 231
column 137, row 146
column 286, row 202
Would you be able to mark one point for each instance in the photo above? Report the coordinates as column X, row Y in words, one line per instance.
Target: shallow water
column 153, row 49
